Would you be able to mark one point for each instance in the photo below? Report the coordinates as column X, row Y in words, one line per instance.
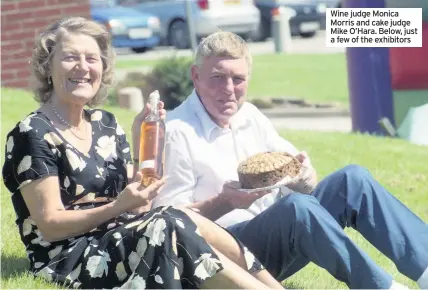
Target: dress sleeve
column 28, row 157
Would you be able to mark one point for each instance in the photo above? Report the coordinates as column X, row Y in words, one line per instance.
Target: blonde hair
column 44, row 50
column 223, row 44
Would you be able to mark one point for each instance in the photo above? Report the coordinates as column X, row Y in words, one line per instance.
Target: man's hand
column 303, row 158
column 228, row 200
column 238, row 199
column 306, row 181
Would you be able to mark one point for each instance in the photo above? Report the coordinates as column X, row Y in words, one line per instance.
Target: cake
column 266, row 169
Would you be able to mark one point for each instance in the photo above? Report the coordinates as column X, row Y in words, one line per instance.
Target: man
column 214, row 129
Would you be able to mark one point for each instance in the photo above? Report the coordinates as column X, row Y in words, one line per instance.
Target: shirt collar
column 208, row 125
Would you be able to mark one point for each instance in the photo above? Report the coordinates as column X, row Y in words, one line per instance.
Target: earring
column 49, row 80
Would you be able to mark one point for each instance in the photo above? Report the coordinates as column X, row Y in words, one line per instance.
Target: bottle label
column 147, row 164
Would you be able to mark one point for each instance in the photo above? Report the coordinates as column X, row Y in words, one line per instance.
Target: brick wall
column 21, row 22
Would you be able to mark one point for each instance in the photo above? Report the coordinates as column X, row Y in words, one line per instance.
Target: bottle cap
column 154, row 97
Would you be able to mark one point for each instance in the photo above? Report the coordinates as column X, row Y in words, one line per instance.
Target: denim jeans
column 301, row 228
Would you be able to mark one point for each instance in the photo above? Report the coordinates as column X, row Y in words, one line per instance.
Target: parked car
column 305, row 19
column 328, row 4
column 129, row 28
column 238, row 16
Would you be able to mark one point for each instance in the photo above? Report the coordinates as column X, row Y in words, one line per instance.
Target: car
column 328, row 4
column 129, row 28
column 208, row 16
column 306, row 17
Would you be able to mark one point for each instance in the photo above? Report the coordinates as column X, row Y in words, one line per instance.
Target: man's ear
column 194, row 73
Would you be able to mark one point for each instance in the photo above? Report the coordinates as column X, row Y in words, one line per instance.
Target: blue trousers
column 302, row 228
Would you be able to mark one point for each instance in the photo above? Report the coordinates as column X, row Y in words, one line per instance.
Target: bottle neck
column 154, row 111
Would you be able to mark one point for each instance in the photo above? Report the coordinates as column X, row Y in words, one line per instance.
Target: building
column 21, row 21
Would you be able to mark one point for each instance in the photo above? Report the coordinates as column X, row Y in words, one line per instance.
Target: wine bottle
column 152, row 143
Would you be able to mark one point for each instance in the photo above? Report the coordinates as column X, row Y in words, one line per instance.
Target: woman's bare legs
column 221, row 240
column 232, row 277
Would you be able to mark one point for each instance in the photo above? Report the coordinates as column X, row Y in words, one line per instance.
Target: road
column 299, row 45
column 325, row 124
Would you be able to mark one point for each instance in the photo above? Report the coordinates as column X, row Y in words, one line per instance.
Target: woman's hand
column 139, row 118
column 137, row 196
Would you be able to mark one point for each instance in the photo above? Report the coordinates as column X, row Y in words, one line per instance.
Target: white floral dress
column 158, row 249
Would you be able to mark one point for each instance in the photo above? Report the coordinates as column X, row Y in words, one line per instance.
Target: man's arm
column 180, row 174
column 182, row 180
column 229, row 199
column 213, row 208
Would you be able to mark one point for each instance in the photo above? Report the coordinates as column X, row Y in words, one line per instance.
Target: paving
column 334, row 119
column 298, row 45
column 323, row 124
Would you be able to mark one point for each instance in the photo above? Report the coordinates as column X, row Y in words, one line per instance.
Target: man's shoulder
column 253, row 113
column 182, row 121
column 250, row 108
column 180, row 113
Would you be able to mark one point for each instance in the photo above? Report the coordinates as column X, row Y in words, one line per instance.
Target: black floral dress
column 158, row 249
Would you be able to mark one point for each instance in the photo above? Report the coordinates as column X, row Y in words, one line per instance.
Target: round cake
column 266, row 169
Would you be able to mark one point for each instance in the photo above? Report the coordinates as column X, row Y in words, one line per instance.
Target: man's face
column 222, row 84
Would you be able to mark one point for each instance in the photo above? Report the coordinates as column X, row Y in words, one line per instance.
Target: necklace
column 68, row 124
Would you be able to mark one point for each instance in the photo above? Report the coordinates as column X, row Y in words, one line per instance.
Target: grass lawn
column 314, row 77
column 400, row 166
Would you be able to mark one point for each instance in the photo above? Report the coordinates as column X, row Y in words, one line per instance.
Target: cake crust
column 266, row 169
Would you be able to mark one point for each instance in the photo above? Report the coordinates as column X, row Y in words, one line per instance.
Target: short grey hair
column 44, row 49
column 223, row 44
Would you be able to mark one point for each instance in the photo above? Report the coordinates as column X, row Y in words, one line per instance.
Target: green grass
column 398, row 165
column 15, row 105
column 317, row 78
column 313, row 77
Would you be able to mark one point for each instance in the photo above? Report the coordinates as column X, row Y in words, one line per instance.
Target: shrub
column 132, row 79
column 171, row 76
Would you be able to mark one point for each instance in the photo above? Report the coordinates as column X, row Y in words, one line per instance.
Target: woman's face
column 76, row 69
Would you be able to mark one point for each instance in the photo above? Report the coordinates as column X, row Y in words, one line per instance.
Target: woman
column 82, row 222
